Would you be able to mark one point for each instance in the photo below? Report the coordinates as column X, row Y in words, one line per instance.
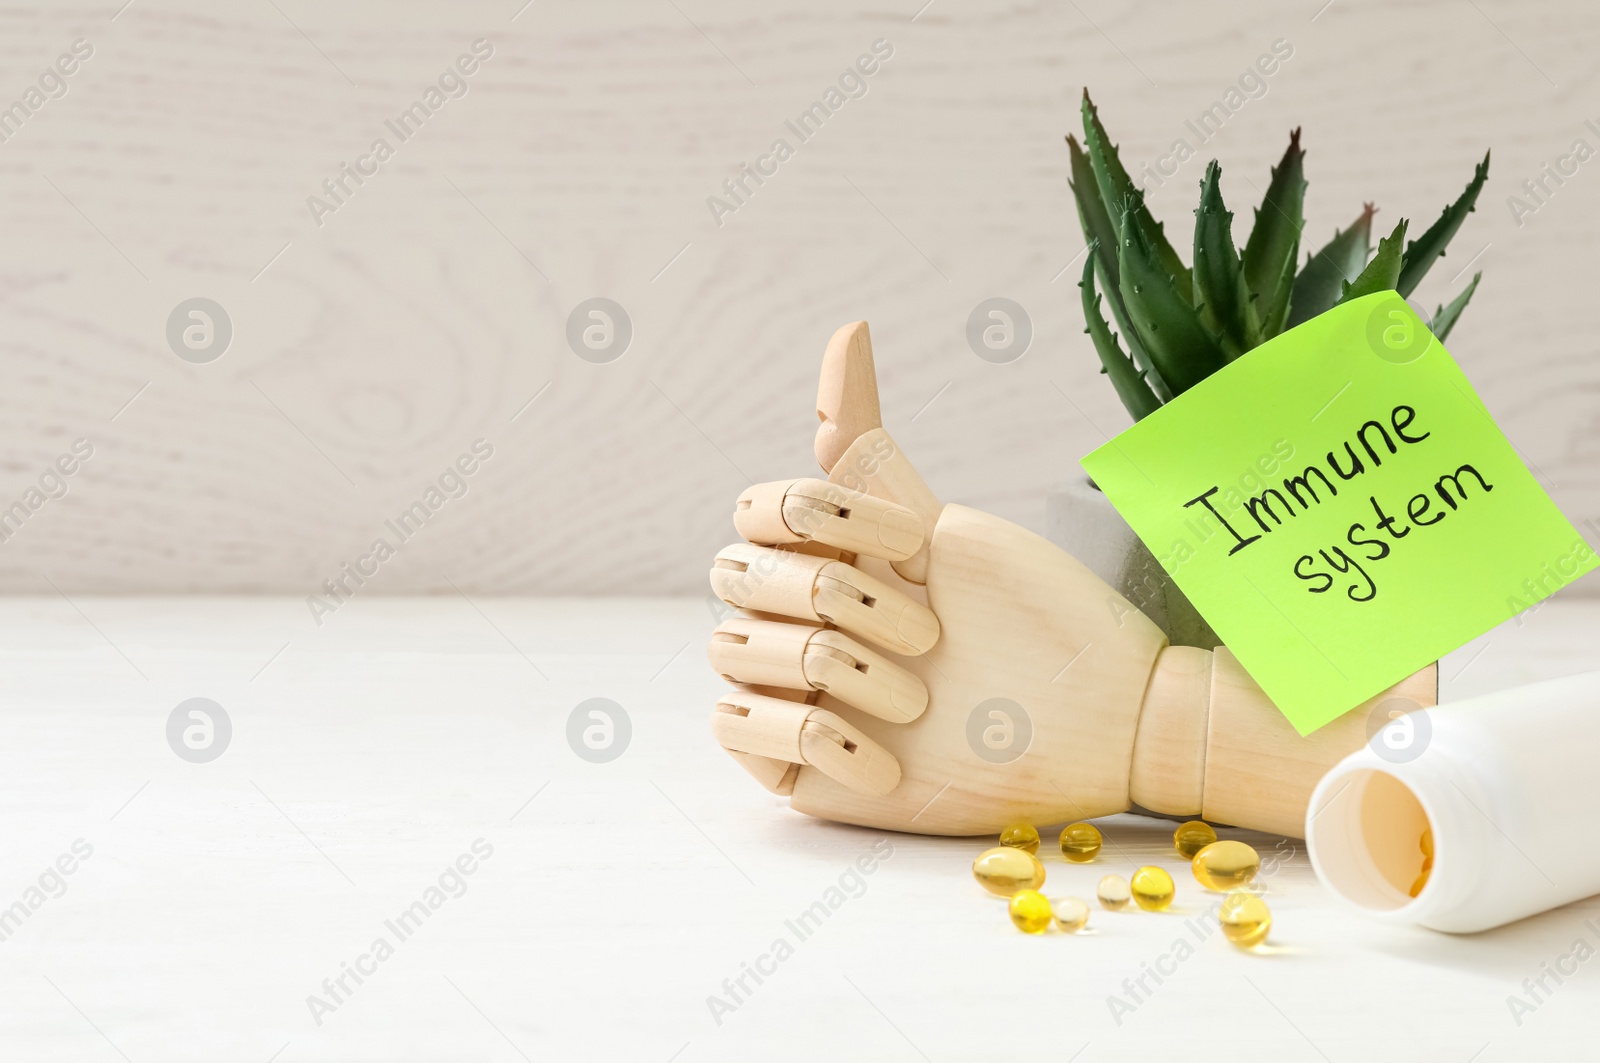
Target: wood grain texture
column 372, row 350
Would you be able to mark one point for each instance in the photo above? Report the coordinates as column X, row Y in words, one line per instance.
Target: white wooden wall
column 368, row 352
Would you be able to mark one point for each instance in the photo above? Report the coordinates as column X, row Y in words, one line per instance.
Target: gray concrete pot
column 1078, row 519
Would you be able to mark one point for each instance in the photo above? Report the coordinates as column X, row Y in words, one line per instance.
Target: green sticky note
column 1340, row 507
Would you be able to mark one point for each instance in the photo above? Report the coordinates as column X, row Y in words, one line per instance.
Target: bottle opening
column 1366, row 840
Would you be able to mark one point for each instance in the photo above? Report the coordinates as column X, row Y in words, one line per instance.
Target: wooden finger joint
column 753, row 724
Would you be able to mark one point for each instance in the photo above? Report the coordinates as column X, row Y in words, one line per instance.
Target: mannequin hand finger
column 855, row 451
column 811, row 510
column 803, row 657
column 775, row 776
column 794, row 732
column 847, row 393
column 820, row 589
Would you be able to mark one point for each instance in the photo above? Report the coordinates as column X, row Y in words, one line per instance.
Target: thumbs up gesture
column 905, row 664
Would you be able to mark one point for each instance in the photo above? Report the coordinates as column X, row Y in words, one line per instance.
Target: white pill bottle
column 1506, row 783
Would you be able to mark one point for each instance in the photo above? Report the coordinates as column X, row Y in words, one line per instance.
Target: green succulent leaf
column 1275, row 318
column 1275, row 239
column 1183, row 350
column 1132, row 387
column 1100, row 233
column 1181, row 324
column 1099, row 230
column 1383, row 272
column 1223, row 298
column 1444, row 319
column 1117, row 188
column 1326, row 273
column 1428, row 248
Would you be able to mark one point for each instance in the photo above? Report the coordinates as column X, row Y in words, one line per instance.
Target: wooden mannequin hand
column 908, row 665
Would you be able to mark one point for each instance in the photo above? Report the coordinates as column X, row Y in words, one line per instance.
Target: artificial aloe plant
column 1184, row 323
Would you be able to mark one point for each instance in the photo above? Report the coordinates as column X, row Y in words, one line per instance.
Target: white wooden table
column 368, row 755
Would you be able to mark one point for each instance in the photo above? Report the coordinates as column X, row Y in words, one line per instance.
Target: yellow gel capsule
column 1427, row 843
column 1021, row 836
column 1421, row 883
column 1030, row 911
column 1080, row 842
column 1152, row 888
column 1245, row 919
column 1113, row 893
column 1191, row 837
column 1004, row 870
column 1224, row 866
column 1070, row 913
